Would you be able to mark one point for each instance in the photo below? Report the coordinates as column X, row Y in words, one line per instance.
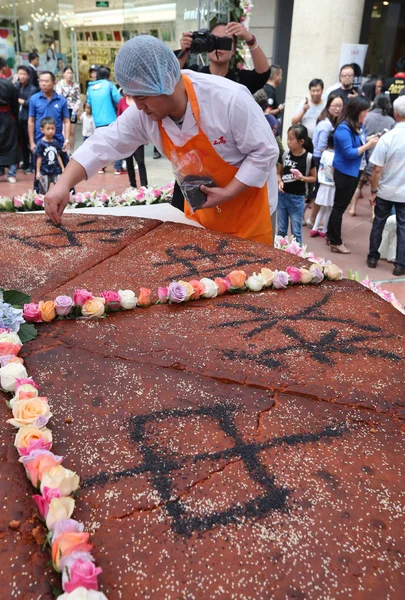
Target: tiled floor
column 356, row 230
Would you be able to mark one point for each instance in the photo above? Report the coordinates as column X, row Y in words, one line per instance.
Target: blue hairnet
column 145, row 66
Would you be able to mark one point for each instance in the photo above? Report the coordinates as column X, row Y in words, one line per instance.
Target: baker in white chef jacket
column 223, row 153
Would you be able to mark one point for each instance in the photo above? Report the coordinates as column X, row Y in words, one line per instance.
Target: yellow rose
column 93, row 308
column 189, row 289
column 59, row 508
column 268, row 276
column 27, row 435
column 58, row 477
column 306, row 276
column 332, row 272
column 33, row 411
column 47, row 310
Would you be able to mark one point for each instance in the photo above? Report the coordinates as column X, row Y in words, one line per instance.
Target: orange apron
column 247, row 215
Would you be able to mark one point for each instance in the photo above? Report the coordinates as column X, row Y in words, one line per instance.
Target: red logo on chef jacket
column 220, row 140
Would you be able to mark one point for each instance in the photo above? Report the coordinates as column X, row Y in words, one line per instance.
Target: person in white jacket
column 211, row 129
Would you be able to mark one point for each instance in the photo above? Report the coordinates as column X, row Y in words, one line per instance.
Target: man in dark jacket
column 33, row 60
column 395, row 86
column 9, row 146
column 24, row 91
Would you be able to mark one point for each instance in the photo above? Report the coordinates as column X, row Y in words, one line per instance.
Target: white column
column 262, row 25
column 319, row 27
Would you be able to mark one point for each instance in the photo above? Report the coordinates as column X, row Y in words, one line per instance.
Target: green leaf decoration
column 27, row 332
column 15, row 298
column 56, row 592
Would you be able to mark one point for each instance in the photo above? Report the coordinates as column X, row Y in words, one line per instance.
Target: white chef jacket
column 230, row 118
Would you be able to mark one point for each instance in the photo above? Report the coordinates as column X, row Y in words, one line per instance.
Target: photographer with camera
column 220, row 43
column 215, row 136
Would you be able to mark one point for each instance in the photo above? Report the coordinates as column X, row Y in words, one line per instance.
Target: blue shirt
column 103, row 97
column 321, row 134
column 49, row 153
column 41, row 107
column 347, row 159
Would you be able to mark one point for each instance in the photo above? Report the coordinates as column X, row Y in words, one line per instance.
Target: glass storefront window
column 384, row 32
column 86, row 32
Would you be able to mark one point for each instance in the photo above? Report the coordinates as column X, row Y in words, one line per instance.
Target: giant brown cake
column 243, row 447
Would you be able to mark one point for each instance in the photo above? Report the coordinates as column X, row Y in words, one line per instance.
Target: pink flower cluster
column 55, row 484
column 85, row 304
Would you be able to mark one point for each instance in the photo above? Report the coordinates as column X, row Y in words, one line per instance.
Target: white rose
column 6, row 204
column 9, row 374
column 255, row 282
column 128, row 299
column 268, row 276
column 211, row 288
column 59, row 508
column 332, row 272
column 81, row 593
column 58, row 477
column 11, row 338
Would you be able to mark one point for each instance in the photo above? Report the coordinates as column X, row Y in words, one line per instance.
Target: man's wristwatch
column 252, row 41
column 374, row 191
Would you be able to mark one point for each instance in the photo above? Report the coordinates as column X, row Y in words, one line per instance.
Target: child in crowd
column 326, row 191
column 48, row 160
column 295, row 170
column 87, row 121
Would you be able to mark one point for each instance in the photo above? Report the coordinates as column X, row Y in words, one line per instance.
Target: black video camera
column 205, row 41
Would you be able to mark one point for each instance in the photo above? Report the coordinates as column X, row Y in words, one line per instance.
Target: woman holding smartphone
column 349, row 149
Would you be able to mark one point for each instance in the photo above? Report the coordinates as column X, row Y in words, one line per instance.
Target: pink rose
column 17, row 203
column 294, row 274
column 103, row 198
column 281, row 279
column 110, row 296
column 81, row 574
column 38, row 462
column 87, row 195
column 39, row 201
column 112, row 300
column 39, row 444
column 32, row 313
column 63, row 305
column 224, row 285
column 44, row 501
column 80, row 297
column 163, row 294
column 25, row 381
